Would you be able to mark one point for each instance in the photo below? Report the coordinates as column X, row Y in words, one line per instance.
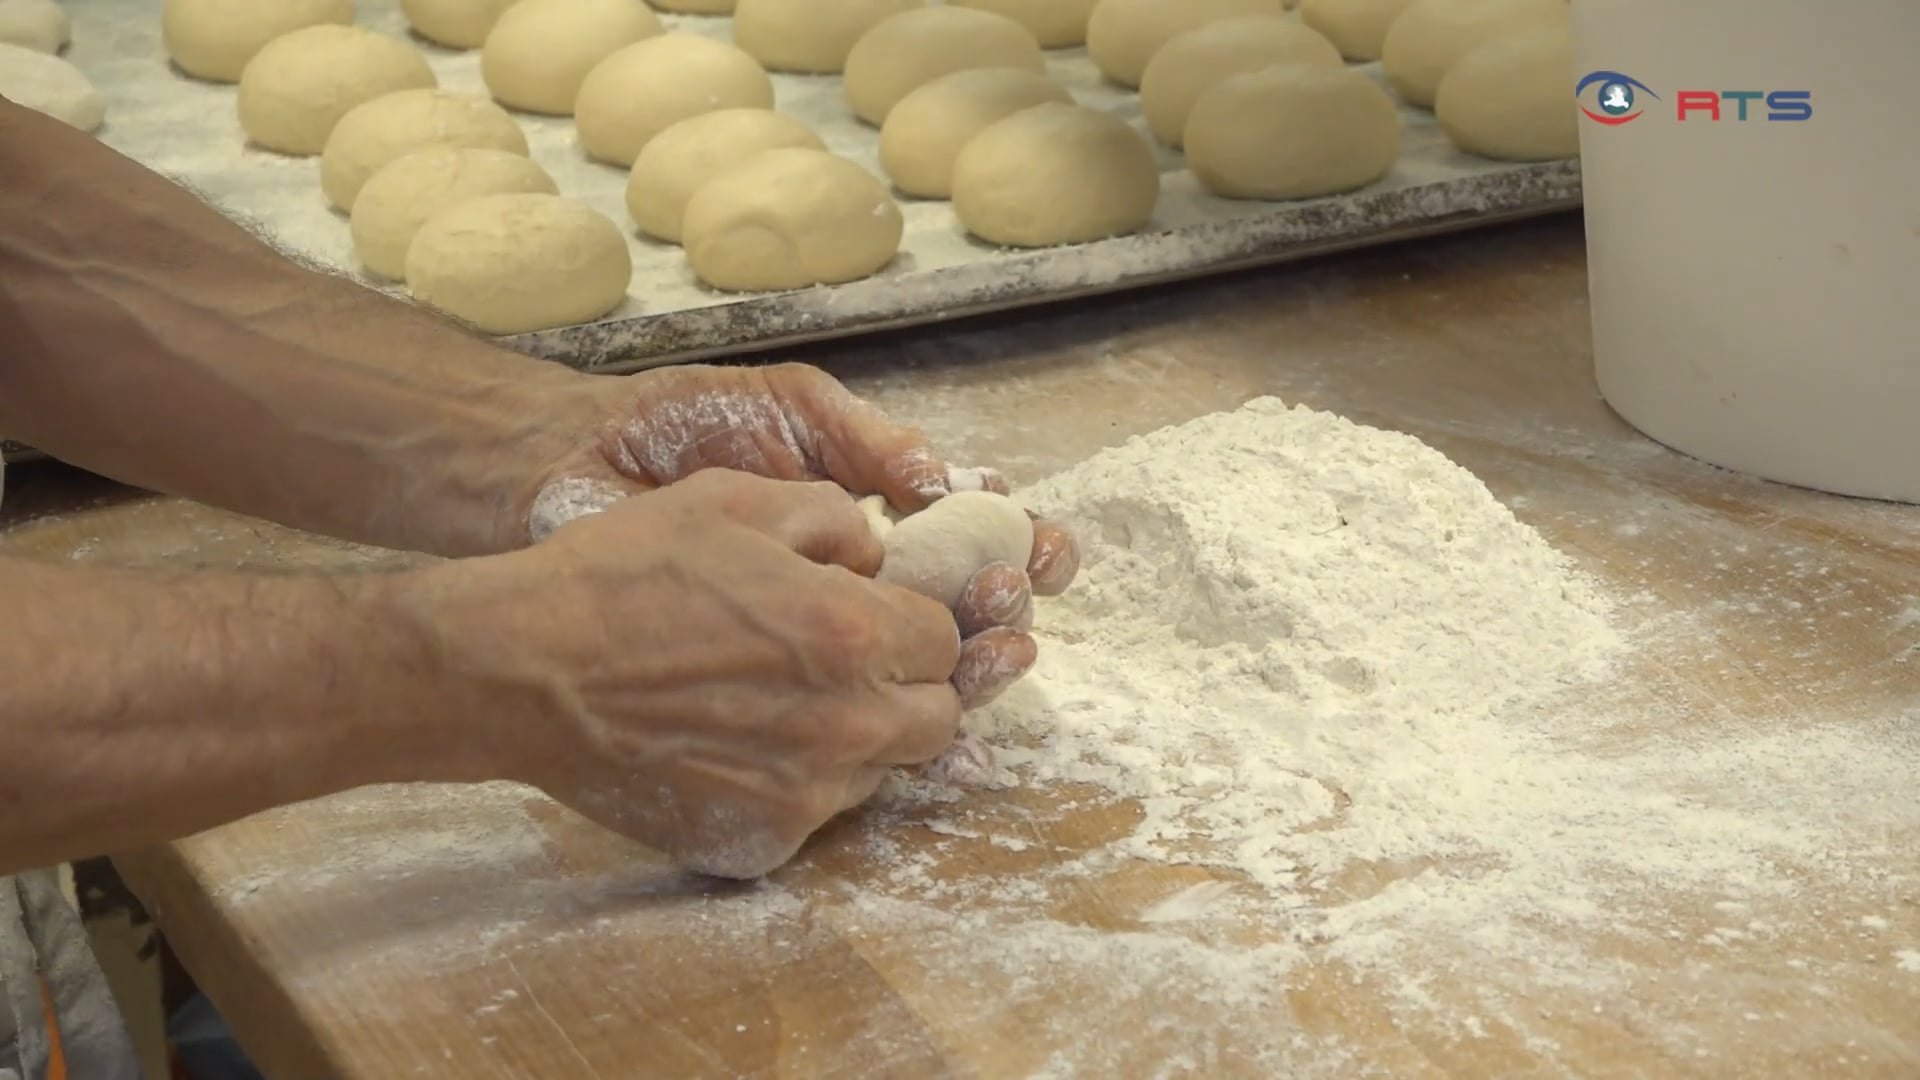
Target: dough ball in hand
column 1507, row 99
column 214, row 39
column 47, row 84
column 645, row 88
column 1292, row 132
column 1431, row 35
column 540, row 51
column 297, row 88
column 378, row 131
column 790, row 219
column 1055, row 174
column 1056, row 24
column 680, row 160
column 908, row 50
column 396, row 201
column 509, row 264
column 40, row 25
column 809, row 36
column 1193, row 62
column 457, row 24
column 1358, row 28
column 926, row 131
column 1123, row 35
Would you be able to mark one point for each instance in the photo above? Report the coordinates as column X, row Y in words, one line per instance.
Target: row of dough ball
column 32, row 73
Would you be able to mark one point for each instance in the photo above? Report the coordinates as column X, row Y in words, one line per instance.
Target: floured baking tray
column 190, row 131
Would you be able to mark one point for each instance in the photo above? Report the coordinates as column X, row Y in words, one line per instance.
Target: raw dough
column 409, row 190
column 1123, row 35
column 1055, row 174
column 926, row 131
column 457, row 24
column 696, row 7
column 45, row 83
column 907, row 50
column 298, row 87
column 1056, row 24
column 808, row 36
column 540, row 51
column 214, row 39
column 509, row 264
column 1429, row 36
column 40, row 25
column 375, row 133
column 647, row 87
column 1192, row 63
column 680, row 159
column 1508, row 99
column 938, row 550
column 1358, row 28
column 789, row 219
column 1292, row 132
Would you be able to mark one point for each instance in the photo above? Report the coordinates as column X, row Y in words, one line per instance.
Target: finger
column 968, row 762
column 921, row 722
column 998, row 595
column 1056, row 558
column 992, row 662
column 862, row 786
column 857, row 445
column 917, row 640
column 819, row 521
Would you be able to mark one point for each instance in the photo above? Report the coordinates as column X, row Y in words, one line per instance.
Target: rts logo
column 1617, row 101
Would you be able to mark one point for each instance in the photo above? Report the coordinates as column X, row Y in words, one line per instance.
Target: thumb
column 824, row 524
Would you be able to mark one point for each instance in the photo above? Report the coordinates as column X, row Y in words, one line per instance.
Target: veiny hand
column 794, row 422
column 708, row 669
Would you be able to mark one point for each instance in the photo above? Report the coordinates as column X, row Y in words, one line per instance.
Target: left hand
column 795, row 422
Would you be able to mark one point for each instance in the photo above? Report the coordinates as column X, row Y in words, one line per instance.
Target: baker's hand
column 794, row 422
column 708, row 669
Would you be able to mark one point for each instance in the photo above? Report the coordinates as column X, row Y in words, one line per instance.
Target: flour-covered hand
column 795, row 422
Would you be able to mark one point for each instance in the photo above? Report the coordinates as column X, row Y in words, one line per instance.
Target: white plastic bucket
column 1756, row 283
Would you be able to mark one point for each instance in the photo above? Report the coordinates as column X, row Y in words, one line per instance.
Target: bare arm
column 137, row 707
column 148, row 338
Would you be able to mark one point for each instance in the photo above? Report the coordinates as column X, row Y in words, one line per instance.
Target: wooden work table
column 487, row 934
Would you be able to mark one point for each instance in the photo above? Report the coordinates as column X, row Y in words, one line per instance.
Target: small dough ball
column 938, row 550
column 789, row 219
column 47, row 84
column 380, row 130
column 1292, row 131
column 1507, row 99
column 1123, row 35
column 809, row 36
column 1429, row 36
column 926, row 131
column 906, row 51
column 1190, row 64
column 679, row 160
column 297, row 88
column 457, row 24
column 696, row 7
column 649, row 86
column 1056, row 24
column 509, row 264
column 1358, row 28
column 412, row 188
column 214, row 39
column 40, row 25
column 540, row 51
column 1055, row 174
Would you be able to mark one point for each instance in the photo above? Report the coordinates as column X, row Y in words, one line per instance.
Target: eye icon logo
column 1616, row 97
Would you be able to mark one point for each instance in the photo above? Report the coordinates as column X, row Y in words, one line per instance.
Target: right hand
column 707, row 668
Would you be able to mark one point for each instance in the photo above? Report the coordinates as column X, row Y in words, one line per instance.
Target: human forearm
column 144, row 336
column 136, row 708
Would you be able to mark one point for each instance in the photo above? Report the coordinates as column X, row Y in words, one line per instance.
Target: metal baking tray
column 189, row 131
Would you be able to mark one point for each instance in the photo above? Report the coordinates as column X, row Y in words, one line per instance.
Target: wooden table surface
column 484, row 933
